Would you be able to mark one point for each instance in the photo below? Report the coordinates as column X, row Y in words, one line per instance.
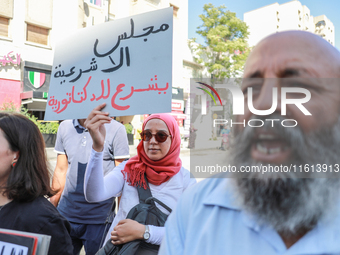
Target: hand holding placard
column 95, row 125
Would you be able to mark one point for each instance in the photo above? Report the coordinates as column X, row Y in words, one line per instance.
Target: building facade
column 288, row 16
column 30, row 30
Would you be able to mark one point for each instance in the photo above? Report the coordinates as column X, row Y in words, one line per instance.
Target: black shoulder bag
column 146, row 213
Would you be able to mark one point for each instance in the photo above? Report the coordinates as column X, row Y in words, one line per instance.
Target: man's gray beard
column 289, row 204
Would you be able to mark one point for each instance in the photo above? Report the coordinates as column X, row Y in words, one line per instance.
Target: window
column 321, row 23
column 98, row 3
column 4, row 26
column 37, row 34
column 306, row 17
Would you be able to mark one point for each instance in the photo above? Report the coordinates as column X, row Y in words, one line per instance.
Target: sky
column 330, row 8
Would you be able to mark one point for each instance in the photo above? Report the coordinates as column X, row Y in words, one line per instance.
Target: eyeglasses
column 160, row 136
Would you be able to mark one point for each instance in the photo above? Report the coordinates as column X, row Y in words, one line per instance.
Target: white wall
column 261, row 22
column 288, row 16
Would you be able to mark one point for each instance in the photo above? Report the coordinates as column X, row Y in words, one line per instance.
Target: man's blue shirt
column 207, row 221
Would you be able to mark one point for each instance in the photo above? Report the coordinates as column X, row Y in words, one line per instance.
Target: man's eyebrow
column 289, row 72
column 256, row 74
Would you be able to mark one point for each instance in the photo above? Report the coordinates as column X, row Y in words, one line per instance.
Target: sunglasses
column 160, row 136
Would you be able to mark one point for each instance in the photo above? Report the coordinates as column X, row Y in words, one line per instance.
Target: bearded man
column 276, row 212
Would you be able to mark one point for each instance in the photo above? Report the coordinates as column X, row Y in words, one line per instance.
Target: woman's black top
column 41, row 217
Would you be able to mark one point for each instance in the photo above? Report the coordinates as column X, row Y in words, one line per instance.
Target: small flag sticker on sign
column 37, row 79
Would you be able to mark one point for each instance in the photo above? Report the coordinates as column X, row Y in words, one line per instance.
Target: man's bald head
column 302, row 47
column 308, row 59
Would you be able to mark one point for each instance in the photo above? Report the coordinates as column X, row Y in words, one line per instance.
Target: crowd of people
column 73, row 147
column 277, row 213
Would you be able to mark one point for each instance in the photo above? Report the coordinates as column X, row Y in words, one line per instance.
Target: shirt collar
column 221, row 194
column 77, row 124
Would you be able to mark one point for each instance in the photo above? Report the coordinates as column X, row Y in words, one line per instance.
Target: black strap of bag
column 111, row 215
column 138, row 247
column 145, row 196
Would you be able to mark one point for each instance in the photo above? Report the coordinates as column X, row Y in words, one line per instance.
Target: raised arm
column 97, row 187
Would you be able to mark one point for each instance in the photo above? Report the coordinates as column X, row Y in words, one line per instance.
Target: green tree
column 225, row 37
column 128, row 128
column 44, row 127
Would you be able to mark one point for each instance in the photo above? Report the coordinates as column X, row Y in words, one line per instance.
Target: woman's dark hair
column 30, row 177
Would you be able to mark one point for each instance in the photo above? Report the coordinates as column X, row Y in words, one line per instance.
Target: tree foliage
column 128, row 128
column 44, row 127
column 225, row 37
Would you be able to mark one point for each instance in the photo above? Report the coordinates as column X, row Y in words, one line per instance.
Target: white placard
column 126, row 63
column 10, row 249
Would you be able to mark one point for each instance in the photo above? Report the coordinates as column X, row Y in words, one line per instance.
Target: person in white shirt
column 157, row 158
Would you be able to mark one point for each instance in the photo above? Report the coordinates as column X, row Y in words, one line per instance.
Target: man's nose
column 269, row 99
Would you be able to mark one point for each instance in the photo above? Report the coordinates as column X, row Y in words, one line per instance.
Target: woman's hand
column 126, row 231
column 95, row 125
